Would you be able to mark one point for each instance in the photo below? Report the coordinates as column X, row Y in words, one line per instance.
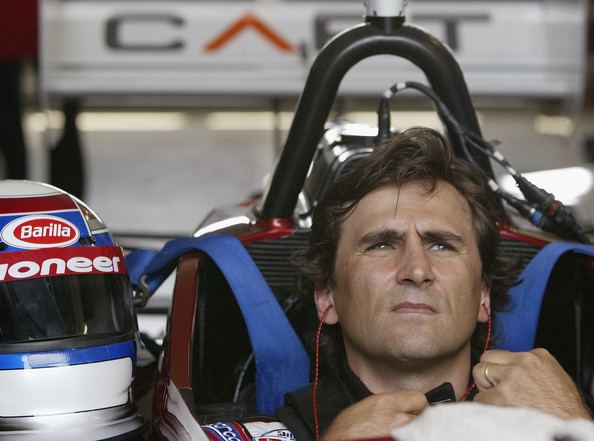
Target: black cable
column 383, row 121
column 541, row 208
column 242, row 373
column 444, row 113
column 287, row 305
column 454, row 127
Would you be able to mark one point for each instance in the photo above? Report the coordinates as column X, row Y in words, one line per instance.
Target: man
column 405, row 271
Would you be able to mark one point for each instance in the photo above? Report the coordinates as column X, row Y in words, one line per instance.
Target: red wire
column 486, row 348
column 317, row 370
column 317, row 367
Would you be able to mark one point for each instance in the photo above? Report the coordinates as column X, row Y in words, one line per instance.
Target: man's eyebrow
column 441, row 236
column 383, row 235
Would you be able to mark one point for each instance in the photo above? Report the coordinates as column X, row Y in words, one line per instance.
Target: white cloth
column 480, row 422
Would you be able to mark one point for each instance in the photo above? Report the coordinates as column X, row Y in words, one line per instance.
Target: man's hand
column 528, row 379
column 376, row 415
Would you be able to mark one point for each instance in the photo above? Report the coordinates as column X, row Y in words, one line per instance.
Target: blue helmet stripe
column 68, row 357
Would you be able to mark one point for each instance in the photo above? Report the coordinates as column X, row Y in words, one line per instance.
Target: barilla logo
column 39, row 231
column 61, row 262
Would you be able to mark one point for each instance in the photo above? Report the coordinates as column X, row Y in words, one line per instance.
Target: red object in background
column 18, row 29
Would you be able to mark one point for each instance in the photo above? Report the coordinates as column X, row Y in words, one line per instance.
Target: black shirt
column 336, row 392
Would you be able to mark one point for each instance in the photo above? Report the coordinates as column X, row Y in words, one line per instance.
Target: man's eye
column 381, row 246
column 442, row 246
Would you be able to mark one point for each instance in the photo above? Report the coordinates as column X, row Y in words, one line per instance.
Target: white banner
column 265, row 48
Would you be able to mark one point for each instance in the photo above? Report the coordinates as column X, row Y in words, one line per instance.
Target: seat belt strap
column 517, row 325
column 282, row 364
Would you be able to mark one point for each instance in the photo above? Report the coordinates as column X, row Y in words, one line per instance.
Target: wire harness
column 539, row 207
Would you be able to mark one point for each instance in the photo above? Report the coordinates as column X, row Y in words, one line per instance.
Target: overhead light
column 554, row 125
column 399, row 119
column 245, row 121
column 111, row 121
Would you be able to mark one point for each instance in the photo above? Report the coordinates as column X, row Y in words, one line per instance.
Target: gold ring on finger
column 486, row 373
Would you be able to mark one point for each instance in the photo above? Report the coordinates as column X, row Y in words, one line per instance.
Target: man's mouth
column 413, row 308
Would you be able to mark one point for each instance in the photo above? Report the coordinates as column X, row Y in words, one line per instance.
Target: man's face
column 408, row 285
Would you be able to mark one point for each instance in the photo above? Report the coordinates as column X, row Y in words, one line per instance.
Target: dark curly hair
column 415, row 155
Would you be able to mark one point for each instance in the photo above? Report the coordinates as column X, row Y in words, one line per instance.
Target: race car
column 207, row 369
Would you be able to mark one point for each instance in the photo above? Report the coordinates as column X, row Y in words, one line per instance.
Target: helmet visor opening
column 92, row 305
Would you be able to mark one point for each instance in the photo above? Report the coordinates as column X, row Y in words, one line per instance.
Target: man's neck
column 383, row 377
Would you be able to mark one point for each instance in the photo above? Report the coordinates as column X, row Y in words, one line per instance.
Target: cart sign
column 265, row 48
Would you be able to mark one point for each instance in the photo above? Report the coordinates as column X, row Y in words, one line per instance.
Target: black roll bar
column 375, row 37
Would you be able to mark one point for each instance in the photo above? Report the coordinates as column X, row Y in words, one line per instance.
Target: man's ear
column 324, row 299
column 485, row 307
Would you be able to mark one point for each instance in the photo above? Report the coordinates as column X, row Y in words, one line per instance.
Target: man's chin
column 419, row 348
column 425, row 354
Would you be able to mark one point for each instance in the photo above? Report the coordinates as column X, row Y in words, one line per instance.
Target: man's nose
column 415, row 266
